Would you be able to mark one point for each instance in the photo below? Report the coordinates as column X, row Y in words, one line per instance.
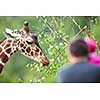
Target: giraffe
column 22, row 41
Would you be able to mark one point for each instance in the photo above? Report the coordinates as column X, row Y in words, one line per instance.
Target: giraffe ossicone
column 26, row 43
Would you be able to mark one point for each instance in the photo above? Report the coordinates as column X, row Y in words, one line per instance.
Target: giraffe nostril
column 43, row 64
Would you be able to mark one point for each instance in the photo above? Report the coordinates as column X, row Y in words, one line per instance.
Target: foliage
column 52, row 33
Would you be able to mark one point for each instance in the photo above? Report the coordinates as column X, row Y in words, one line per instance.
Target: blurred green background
column 52, row 31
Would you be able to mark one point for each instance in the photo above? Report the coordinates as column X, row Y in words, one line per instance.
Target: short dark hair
column 78, row 48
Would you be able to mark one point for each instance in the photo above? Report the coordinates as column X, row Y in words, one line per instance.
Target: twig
column 75, row 22
column 50, row 65
column 48, row 25
column 80, row 31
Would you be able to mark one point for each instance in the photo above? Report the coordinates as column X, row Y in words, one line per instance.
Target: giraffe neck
column 32, row 52
column 6, row 50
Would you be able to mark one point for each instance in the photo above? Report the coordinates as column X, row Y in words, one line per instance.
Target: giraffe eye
column 29, row 42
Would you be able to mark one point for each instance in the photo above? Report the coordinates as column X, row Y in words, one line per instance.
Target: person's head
column 78, row 50
column 91, row 44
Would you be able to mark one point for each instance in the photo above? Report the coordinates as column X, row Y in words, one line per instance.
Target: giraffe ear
column 11, row 34
column 8, row 33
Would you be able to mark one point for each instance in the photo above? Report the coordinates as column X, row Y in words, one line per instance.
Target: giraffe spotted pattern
column 24, row 42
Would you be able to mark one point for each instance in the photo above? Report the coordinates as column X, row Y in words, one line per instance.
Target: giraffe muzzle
column 45, row 62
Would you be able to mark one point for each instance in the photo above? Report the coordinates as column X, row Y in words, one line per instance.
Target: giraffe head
column 27, row 44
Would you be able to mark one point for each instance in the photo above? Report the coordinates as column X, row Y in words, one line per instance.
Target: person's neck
column 79, row 59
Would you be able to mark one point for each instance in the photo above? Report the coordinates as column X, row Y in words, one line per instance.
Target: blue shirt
column 81, row 72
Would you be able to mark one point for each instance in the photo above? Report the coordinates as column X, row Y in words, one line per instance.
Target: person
column 93, row 57
column 80, row 71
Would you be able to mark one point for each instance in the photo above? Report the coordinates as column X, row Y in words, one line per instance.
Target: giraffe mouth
column 45, row 62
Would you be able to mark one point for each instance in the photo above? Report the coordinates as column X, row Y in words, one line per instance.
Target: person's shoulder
column 94, row 65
